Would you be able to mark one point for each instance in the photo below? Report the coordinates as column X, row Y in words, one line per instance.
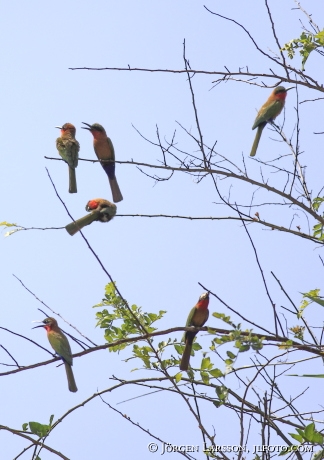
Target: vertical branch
column 276, row 318
column 198, row 414
column 277, row 40
column 201, row 143
column 297, row 166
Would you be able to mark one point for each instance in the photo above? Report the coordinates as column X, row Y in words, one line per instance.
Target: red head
column 92, row 204
column 67, row 129
column 96, row 130
column 48, row 324
column 279, row 93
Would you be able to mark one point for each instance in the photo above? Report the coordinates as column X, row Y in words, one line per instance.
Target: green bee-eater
column 61, row 346
column 268, row 112
column 99, row 209
column 104, row 150
column 197, row 318
column 68, row 147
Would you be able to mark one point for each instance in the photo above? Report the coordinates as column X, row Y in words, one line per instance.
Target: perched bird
column 61, row 346
column 197, row 318
column 104, row 150
column 268, row 112
column 99, row 209
column 68, row 147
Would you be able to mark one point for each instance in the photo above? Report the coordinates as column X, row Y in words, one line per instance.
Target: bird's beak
column 41, row 325
column 291, row 87
column 59, row 127
column 83, row 127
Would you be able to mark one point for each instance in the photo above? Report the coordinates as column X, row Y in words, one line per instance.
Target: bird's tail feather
column 256, row 140
column 116, row 193
column 186, row 356
column 70, row 378
column 74, row 227
column 72, row 181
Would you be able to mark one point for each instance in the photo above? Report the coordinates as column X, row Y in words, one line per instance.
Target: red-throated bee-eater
column 99, row 209
column 197, row 318
column 104, row 150
column 61, row 346
column 68, row 147
column 268, row 112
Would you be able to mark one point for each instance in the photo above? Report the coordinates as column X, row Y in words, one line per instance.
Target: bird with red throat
column 104, row 150
column 68, row 147
column 61, row 346
column 197, row 317
column 268, row 112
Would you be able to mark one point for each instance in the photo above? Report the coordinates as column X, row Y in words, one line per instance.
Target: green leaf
column 204, row 377
column 222, row 392
column 318, row 438
column 230, row 355
column 309, row 432
column 178, row 377
column 218, row 403
column 286, row 345
column 317, row 203
column 25, row 426
column 7, row 224
column 205, row 363
column 315, row 299
column 216, row 373
column 244, row 348
column 298, row 437
column 179, row 348
column 306, row 43
column 223, row 317
column 121, row 320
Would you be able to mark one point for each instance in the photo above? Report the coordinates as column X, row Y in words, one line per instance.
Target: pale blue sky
column 156, row 263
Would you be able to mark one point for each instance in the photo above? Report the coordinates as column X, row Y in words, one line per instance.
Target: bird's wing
column 268, row 112
column 61, row 345
column 111, row 147
column 190, row 317
column 60, row 145
column 68, row 149
column 74, row 153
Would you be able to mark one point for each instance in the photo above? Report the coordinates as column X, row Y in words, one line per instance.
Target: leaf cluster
column 120, row 320
column 306, row 43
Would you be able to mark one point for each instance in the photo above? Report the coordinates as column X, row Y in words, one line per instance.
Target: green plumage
column 268, row 112
column 197, row 318
column 61, row 346
column 68, row 149
column 74, row 227
column 257, row 139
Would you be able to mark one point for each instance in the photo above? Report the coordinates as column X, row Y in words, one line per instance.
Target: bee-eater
column 68, row 147
column 100, row 209
column 197, row 318
column 268, row 112
column 61, row 346
column 104, row 150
